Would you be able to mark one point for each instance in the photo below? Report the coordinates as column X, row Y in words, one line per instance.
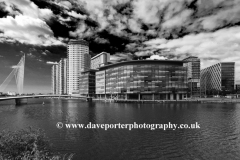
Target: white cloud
column 134, row 25
column 63, row 39
column 27, row 30
column 53, row 63
column 224, row 16
column 101, row 40
column 178, row 20
column 157, row 57
column 150, row 12
column 94, row 4
column 146, row 11
column 80, row 31
column 77, row 15
column 120, row 56
column 118, row 29
column 220, row 46
column 68, row 19
column 28, row 8
column 65, row 4
column 143, row 53
column 156, row 41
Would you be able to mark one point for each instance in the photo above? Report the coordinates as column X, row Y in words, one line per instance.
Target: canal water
column 218, row 137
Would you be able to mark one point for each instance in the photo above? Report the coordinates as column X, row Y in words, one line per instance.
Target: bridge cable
column 18, row 72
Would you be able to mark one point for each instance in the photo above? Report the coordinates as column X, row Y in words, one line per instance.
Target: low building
column 218, row 79
column 142, row 80
column 100, row 60
column 87, row 83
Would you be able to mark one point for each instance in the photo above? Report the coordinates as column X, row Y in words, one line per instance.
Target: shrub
column 27, row 144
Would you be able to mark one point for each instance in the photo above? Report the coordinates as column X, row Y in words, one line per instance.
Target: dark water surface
column 218, row 138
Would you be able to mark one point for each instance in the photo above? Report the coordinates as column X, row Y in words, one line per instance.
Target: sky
column 173, row 29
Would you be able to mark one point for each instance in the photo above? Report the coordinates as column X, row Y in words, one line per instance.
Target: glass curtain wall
column 146, row 79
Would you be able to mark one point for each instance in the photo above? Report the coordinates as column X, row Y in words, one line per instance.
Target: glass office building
column 100, row 82
column 237, row 88
column 100, row 60
column 218, row 78
column 193, row 75
column 142, row 80
column 87, row 83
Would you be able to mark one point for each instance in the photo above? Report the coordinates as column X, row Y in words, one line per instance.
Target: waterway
column 218, row 137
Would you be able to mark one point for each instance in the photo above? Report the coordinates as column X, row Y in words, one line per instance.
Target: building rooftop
column 79, row 41
column 190, row 57
column 172, row 62
column 99, row 55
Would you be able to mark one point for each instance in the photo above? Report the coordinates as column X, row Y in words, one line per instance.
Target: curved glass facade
column 218, row 79
column 144, row 80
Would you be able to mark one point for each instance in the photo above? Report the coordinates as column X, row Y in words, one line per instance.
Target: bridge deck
column 37, row 96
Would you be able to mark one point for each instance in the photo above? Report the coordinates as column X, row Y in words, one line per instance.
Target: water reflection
column 218, row 137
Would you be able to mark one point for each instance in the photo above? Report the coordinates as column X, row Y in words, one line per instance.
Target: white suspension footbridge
column 18, row 73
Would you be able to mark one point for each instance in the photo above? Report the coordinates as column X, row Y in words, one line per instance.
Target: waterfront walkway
column 196, row 100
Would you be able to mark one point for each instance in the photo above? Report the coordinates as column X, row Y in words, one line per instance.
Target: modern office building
column 59, row 77
column 193, row 75
column 62, row 76
column 54, row 78
column 142, row 80
column 218, row 78
column 100, row 60
column 87, row 83
column 100, row 82
column 78, row 61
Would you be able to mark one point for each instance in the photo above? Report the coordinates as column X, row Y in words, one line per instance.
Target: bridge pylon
column 18, row 73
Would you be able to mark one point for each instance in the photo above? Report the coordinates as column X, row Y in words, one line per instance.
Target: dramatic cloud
column 66, row 4
column 126, row 29
column 27, row 30
column 27, row 8
column 121, row 56
column 219, row 46
column 227, row 15
column 76, row 15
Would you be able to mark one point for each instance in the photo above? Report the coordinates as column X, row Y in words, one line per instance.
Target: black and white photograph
column 119, row 79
